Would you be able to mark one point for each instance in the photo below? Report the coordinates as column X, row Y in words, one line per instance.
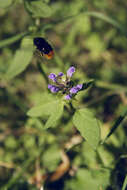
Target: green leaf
column 93, row 179
column 88, row 126
column 44, row 109
column 52, row 109
column 11, row 40
column 95, row 44
column 55, row 116
column 5, row 3
column 40, row 97
column 38, row 8
column 87, row 84
column 20, row 61
column 106, row 18
column 125, row 183
column 51, row 157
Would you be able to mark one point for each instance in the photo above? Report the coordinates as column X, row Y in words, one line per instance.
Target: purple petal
column 50, row 86
column 79, row 86
column 70, row 71
column 54, row 89
column 52, row 76
column 60, row 74
column 74, row 90
column 68, row 97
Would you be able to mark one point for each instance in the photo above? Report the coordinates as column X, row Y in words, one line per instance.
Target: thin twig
column 41, row 70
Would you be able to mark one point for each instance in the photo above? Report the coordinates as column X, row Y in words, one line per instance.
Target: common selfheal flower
column 52, row 76
column 64, row 84
column 70, row 71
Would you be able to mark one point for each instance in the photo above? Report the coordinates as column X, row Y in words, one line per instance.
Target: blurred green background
column 90, row 35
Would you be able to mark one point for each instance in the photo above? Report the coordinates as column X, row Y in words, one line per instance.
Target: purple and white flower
column 53, row 88
column 52, row 76
column 75, row 89
column 70, row 71
column 68, row 97
column 65, row 85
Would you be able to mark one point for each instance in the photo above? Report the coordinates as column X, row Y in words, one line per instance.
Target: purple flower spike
column 70, row 71
column 60, row 74
column 65, row 85
column 52, row 76
column 54, row 89
column 68, row 97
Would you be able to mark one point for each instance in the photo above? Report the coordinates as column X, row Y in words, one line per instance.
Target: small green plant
column 63, row 115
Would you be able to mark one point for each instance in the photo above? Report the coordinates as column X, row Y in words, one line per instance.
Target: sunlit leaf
column 51, row 157
column 20, row 61
column 88, row 126
column 46, row 108
column 52, row 109
column 38, row 8
column 56, row 114
column 90, row 179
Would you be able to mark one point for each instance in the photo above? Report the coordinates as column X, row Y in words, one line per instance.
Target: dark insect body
column 44, row 47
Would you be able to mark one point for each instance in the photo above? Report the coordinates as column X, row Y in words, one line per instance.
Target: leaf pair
column 52, row 109
column 83, row 120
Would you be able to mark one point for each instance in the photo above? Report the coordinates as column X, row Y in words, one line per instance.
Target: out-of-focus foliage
column 90, row 35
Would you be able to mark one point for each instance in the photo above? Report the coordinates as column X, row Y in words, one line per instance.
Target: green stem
column 106, row 18
column 72, row 108
column 116, row 124
column 106, row 85
column 95, row 14
column 13, row 39
column 13, row 180
column 41, row 70
column 100, row 98
column 125, row 183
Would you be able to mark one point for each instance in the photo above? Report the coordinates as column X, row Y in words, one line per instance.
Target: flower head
column 64, row 84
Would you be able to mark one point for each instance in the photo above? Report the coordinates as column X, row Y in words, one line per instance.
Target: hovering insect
column 44, row 47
